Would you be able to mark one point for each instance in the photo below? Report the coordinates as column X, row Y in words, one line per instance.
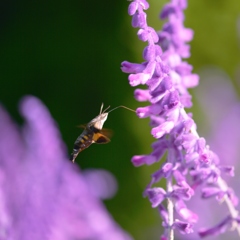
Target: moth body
column 93, row 133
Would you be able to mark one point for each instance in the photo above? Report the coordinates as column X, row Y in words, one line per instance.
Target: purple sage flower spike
column 190, row 165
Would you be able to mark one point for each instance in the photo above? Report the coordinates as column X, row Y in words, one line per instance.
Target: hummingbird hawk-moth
column 93, row 132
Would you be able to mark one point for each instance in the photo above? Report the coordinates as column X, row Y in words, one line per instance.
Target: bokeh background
column 68, row 54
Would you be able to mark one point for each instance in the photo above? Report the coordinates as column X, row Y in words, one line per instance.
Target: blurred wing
column 82, row 126
column 107, row 132
column 102, row 137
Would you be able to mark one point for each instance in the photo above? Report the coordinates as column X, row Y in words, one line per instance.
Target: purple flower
column 43, row 195
column 219, row 228
column 189, row 162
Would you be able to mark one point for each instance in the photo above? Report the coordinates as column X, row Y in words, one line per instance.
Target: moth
column 93, row 132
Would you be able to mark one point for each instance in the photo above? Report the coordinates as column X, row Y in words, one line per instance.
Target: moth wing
column 82, row 126
column 107, row 132
column 103, row 136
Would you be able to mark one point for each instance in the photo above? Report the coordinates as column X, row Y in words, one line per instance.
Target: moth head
column 98, row 121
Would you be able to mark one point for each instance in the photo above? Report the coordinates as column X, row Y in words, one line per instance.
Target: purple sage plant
column 188, row 164
column 42, row 194
column 223, row 129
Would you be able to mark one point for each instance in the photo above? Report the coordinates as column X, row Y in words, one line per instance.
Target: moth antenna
column 106, row 109
column 101, row 108
column 121, row 106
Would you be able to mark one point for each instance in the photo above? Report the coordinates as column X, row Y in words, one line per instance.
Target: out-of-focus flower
column 42, row 194
column 101, row 183
column 190, row 164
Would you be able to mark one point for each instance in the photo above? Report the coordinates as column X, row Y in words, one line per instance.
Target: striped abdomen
column 83, row 141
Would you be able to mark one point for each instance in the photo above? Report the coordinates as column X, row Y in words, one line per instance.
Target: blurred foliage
column 68, row 53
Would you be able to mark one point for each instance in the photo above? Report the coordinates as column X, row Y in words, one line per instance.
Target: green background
column 68, row 53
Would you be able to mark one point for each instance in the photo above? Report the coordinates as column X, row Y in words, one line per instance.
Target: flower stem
column 170, row 207
column 233, row 212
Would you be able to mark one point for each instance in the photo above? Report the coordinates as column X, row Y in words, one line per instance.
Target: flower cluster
column 42, row 194
column 189, row 163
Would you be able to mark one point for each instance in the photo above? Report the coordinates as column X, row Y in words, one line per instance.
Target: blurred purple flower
column 42, row 194
column 190, row 163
